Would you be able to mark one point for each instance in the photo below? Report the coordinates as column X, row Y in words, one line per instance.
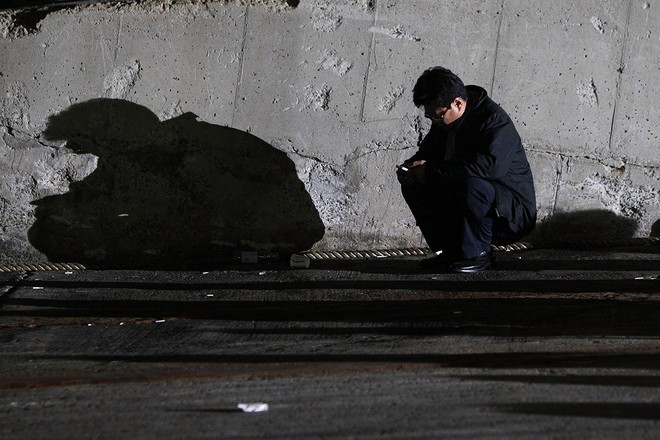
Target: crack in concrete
column 497, row 46
column 237, row 91
column 617, row 95
column 607, row 162
column 295, row 151
column 368, row 68
column 11, row 132
column 118, row 39
column 374, row 151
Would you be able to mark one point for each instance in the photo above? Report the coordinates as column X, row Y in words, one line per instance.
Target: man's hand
column 412, row 173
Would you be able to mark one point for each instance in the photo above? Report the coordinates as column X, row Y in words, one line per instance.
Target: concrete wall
column 329, row 84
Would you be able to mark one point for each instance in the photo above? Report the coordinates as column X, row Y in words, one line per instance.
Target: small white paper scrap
column 253, row 407
column 37, row 288
column 160, row 321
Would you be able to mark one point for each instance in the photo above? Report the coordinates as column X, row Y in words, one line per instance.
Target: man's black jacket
column 487, row 145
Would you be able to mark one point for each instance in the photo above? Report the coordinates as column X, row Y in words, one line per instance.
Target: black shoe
column 438, row 261
column 474, row 265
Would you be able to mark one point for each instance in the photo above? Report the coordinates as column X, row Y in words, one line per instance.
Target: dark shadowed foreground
column 549, row 344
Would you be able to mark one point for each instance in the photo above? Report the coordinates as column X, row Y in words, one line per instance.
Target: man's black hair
column 438, row 87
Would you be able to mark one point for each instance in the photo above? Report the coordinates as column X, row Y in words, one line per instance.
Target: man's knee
column 408, row 191
column 479, row 195
column 476, row 187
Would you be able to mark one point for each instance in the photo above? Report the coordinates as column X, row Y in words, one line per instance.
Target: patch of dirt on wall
column 21, row 22
column 8, row 28
column 188, row 6
column 16, row 24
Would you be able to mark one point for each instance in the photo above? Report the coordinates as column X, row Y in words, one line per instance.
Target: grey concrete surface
column 549, row 344
column 329, row 84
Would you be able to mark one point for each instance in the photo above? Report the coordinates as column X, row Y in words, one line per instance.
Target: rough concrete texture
column 329, row 84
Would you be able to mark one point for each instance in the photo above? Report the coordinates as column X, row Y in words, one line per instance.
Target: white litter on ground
column 253, row 407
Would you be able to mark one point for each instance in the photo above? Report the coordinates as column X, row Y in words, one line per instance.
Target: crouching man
column 469, row 185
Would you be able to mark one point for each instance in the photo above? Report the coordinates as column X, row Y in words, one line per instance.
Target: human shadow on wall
column 655, row 229
column 584, row 229
column 588, row 230
column 177, row 193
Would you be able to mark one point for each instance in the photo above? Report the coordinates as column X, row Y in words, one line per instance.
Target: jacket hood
column 476, row 95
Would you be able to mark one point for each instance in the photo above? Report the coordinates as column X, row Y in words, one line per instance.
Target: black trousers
column 457, row 216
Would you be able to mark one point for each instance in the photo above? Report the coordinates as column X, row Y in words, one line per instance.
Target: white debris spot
column 587, row 93
column 397, row 32
column 272, row 5
column 622, row 196
column 15, row 105
column 174, row 111
column 331, row 62
column 330, row 193
column 388, row 102
column 253, row 407
column 598, row 24
column 317, row 99
column 327, row 185
column 646, row 6
column 9, row 29
column 120, row 81
column 325, row 18
column 14, row 24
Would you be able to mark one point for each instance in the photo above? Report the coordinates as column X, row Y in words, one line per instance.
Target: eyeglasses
column 436, row 118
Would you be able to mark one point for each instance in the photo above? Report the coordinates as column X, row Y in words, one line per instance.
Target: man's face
column 446, row 115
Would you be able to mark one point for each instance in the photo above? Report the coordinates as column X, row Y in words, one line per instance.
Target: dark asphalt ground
column 550, row 344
